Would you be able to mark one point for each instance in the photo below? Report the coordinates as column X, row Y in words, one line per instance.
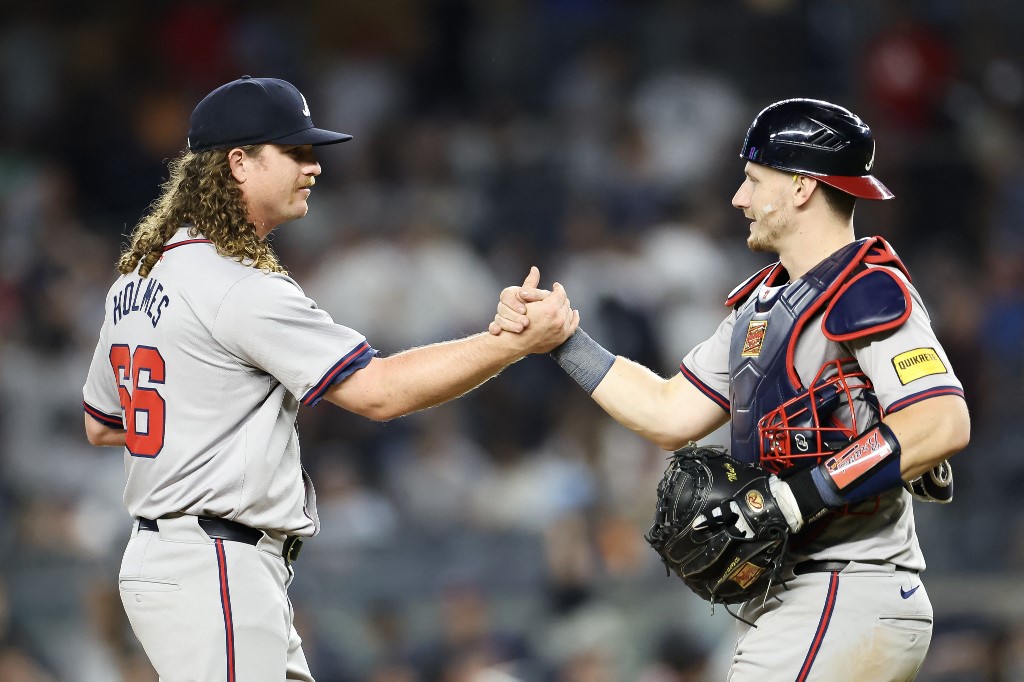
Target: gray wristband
column 584, row 359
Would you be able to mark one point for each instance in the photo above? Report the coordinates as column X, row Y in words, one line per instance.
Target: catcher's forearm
column 877, row 460
column 668, row 412
column 930, row 431
column 589, row 365
column 869, row 465
column 584, row 359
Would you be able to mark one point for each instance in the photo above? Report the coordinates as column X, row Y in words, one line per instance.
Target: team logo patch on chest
column 755, row 338
column 917, row 363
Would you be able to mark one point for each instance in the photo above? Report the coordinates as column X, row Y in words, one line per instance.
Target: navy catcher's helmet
column 819, row 139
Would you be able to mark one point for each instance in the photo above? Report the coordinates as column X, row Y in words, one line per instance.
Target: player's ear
column 237, row 163
column 803, row 186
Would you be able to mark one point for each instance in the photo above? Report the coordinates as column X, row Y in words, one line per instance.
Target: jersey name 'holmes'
column 140, row 296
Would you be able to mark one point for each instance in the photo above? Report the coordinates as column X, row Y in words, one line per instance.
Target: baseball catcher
column 839, row 398
column 717, row 525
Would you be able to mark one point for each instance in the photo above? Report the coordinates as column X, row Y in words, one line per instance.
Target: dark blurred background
column 500, row 537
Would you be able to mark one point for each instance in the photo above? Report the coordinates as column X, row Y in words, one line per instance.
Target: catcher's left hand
column 718, row 526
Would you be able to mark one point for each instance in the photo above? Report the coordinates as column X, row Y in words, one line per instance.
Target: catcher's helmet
column 819, row 139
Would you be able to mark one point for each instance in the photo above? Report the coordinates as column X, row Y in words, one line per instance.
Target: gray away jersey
column 204, row 363
column 905, row 365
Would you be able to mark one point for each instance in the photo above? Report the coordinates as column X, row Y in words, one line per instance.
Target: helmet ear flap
column 814, row 424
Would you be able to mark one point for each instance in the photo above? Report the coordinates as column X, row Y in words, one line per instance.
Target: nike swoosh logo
column 906, row 594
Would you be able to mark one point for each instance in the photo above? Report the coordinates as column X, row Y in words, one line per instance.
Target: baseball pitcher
column 206, row 351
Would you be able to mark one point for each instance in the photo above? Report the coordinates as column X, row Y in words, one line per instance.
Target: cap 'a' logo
column 305, row 107
column 755, row 338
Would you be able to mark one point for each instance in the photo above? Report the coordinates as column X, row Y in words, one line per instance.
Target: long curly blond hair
column 200, row 192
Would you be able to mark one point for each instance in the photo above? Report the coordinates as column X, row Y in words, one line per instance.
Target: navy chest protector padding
column 872, row 301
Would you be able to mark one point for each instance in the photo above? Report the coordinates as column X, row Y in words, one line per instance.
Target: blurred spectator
column 679, row 656
column 352, row 515
column 325, row 658
column 432, row 478
column 393, row 654
column 967, row 649
column 20, row 661
column 468, row 646
column 907, row 67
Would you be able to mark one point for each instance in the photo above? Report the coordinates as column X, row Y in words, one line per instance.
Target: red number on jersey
column 144, row 408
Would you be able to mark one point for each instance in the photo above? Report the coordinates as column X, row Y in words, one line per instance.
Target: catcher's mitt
column 718, row 526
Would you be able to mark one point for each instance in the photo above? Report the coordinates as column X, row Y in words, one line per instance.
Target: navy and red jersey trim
column 357, row 358
column 103, row 418
column 186, row 242
column 819, row 634
column 913, row 398
column 717, row 397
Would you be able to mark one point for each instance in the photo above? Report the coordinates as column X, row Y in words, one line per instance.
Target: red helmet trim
column 864, row 187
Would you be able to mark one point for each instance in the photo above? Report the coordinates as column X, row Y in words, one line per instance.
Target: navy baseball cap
column 255, row 111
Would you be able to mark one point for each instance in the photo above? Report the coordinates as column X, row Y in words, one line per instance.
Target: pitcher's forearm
column 425, row 376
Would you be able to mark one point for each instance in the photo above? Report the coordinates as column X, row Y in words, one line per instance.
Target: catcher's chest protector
column 769, row 320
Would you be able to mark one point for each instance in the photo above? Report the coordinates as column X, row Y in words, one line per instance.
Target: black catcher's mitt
column 718, row 526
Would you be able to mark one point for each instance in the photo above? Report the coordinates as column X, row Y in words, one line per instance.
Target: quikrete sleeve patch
column 917, row 363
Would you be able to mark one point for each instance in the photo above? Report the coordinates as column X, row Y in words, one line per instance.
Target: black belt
column 819, row 567
column 223, row 529
column 835, row 566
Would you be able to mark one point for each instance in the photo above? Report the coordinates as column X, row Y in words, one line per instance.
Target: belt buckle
column 292, row 547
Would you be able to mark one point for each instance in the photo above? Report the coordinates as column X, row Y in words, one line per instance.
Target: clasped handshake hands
column 542, row 319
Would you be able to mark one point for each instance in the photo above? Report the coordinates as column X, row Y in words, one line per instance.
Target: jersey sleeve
column 268, row 322
column 100, row 396
column 707, row 365
column 908, row 364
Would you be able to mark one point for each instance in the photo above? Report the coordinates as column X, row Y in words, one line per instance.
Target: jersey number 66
column 144, row 409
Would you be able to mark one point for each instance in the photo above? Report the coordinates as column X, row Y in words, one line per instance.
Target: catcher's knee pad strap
column 584, row 359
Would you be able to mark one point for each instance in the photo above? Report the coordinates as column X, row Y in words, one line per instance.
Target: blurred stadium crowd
column 499, row 537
